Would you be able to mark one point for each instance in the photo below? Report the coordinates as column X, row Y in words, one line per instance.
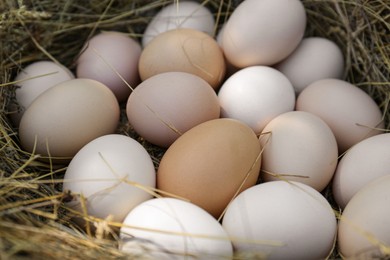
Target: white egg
column 35, row 79
column 181, row 14
column 281, row 220
column 364, row 162
column 175, row 229
column 315, row 58
column 255, row 95
column 113, row 173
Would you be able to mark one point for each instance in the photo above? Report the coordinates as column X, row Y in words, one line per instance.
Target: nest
column 34, row 223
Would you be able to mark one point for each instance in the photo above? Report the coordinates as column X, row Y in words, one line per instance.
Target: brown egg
column 185, row 50
column 208, row 164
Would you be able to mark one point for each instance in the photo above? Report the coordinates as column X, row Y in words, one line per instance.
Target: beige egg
column 210, row 163
column 111, row 58
column 364, row 227
column 33, row 80
column 263, row 32
column 299, row 146
column 67, row 116
column 364, row 162
column 184, row 50
column 315, row 58
column 349, row 111
column 167, row 105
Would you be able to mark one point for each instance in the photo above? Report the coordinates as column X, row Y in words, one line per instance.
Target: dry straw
column 34, row 223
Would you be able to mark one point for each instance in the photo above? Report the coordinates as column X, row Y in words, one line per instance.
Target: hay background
column 33, row 220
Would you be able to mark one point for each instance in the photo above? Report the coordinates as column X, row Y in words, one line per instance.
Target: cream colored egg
column 315, row 58
column 364, row 162
column 299, row 146
column 349, row 111
column 110, row 176
column 364, row 227
column 67, row 116
column 255, row 95
column 33, row 80
column 263, row 32
column 175, row 229
column 180, row 14
column 281, row 220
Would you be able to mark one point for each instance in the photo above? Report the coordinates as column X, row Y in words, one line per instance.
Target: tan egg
column 364, row 227
column 67, row 116
column 167, row 105
column 263, row 32
column 185, row 50
column 299, row 146
column 208, row 164
column 34, row 80
column 350, row 112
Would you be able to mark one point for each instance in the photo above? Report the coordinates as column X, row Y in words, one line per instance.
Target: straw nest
column 34, row 223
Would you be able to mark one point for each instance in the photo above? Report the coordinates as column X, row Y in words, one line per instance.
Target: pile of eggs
column 256, row 123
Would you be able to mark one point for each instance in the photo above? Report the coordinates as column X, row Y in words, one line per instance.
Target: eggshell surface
column 315, row 58
column 67, row 116
column 364, row 162
column 182, row 14
column 208, row 164
column 364, row 227
column 107, row 57
column 105, row 172
column 34, row 80
column 263, row 32
column 299, row 146
column 177, row 229
column 350, row 112
column 255, row 95
column 184, row 50
column 281, row 220
column 166, row 105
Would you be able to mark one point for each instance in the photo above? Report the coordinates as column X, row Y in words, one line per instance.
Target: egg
column 364, row 162
column 171, row 228
column 210, row 163
column 255, row 95
column 263, row 32
column 113, row 173
column 166, row 105
column 349, row 111
column 315, row 58
column 299, row 146
column 281, row 220
column 66, row 117
column 32, row 81
column 364, row 226
column 183, row 14
column 111, row 58
column 184, row 50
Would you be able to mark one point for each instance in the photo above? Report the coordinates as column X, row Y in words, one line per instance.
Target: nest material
column 34, row 222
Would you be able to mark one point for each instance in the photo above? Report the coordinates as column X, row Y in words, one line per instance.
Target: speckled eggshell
column 67, row 116
column 167, row 105
column 208, row 164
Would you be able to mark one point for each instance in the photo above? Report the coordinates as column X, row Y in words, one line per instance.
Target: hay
column 34, row 223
